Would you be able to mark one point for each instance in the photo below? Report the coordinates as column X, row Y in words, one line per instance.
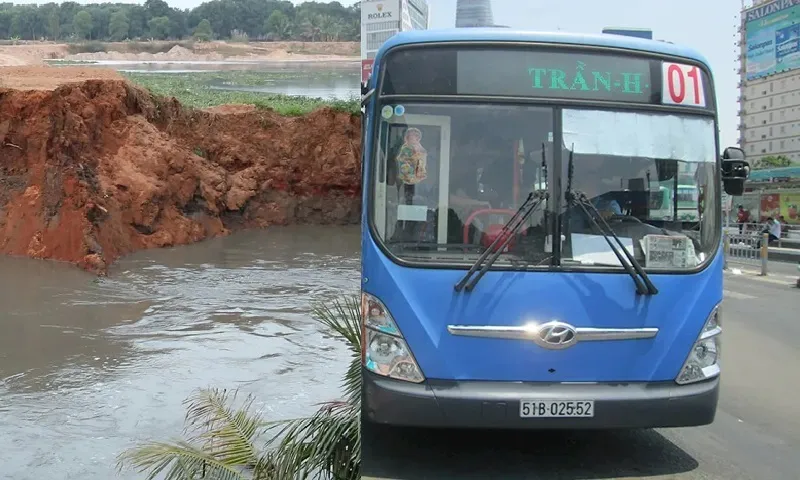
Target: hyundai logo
column 556, row 335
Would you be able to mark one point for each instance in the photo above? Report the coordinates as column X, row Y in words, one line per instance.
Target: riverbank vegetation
column 216, row 19
column 205, row 89
column 226, row 439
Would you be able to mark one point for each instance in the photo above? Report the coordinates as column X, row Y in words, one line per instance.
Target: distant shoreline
column 41, row 53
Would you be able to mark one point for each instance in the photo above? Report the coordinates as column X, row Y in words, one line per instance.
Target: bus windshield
column 450, row 164
column 636, row 167
column 447, row 172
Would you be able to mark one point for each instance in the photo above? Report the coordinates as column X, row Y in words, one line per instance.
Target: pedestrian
column 742, row 217
column 773, row 230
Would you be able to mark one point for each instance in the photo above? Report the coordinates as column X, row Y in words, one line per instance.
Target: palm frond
column 178, row 461
column 221, row 437
column 225, row 435
column 344, row 318
column 329, row 441
column 226, row 432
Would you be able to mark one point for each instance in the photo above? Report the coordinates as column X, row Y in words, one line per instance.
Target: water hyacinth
column 197, row 90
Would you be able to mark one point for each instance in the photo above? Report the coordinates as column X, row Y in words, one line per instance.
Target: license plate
column 556, row 408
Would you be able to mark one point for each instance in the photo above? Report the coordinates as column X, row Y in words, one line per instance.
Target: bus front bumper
column 482, row 404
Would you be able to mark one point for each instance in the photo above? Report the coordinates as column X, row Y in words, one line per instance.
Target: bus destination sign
column 554, row 74
column 628, row 83
column 562, row 73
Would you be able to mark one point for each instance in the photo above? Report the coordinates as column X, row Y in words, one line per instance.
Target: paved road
column 756, row 434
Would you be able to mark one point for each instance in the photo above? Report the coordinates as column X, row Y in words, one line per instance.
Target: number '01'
column 676, row 83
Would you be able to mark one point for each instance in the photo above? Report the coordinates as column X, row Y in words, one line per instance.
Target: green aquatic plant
column 200, row 90
column 229, row 440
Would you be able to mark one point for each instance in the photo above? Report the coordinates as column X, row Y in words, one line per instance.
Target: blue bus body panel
column 423, row 302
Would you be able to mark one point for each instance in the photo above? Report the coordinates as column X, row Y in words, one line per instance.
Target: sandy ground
column 42, row 77
column 24, row 67
column 33, row 54
column 38, row 53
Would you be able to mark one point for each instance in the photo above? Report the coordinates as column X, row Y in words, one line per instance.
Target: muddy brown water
column 90, row 367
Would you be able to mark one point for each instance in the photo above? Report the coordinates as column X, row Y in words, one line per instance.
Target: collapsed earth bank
column 95, row 170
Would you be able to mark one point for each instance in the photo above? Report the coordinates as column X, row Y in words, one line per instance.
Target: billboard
column 785, row 203
column 772, row 38
column 789, row 207
column 380, row 11
column 366, row 70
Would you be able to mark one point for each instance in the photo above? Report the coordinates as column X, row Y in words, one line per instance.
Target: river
column 329, row 80
column 90, row 367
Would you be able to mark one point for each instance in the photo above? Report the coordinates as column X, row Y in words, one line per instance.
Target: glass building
column 474, row 13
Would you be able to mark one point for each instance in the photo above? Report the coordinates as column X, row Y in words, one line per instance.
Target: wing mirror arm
column 365, row 96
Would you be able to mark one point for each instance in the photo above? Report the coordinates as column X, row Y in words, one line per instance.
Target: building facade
column 474, row 13
column 381, row 19
column 769, row 84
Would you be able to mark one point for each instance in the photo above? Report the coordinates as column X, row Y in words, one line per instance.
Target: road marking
column 770, row 278
column 786, row 282
column 757, row 273
column 737, row 295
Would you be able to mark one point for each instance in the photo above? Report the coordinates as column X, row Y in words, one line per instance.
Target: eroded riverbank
column 100, row 169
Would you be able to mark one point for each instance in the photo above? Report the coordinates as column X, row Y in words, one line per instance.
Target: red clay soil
column 95, row 170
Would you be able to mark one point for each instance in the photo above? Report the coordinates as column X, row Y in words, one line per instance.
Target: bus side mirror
column 735, row 170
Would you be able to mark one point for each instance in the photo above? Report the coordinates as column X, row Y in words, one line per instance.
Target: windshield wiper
column 643, row 284
column 522, row 214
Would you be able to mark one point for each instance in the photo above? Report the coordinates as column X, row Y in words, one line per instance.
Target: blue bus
column 513, row 273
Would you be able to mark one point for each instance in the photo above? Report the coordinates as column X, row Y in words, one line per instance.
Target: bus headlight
column 384, row 350
column 703, row 361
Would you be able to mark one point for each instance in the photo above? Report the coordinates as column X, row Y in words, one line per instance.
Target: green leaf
column 179, row 461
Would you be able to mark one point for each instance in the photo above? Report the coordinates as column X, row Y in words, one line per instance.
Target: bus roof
column 510, row 35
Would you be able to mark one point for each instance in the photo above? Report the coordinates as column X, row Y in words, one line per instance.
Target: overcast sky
column 706, row 25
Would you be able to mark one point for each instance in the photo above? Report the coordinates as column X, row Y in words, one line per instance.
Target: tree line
column 217, row 19
column 772, row 161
